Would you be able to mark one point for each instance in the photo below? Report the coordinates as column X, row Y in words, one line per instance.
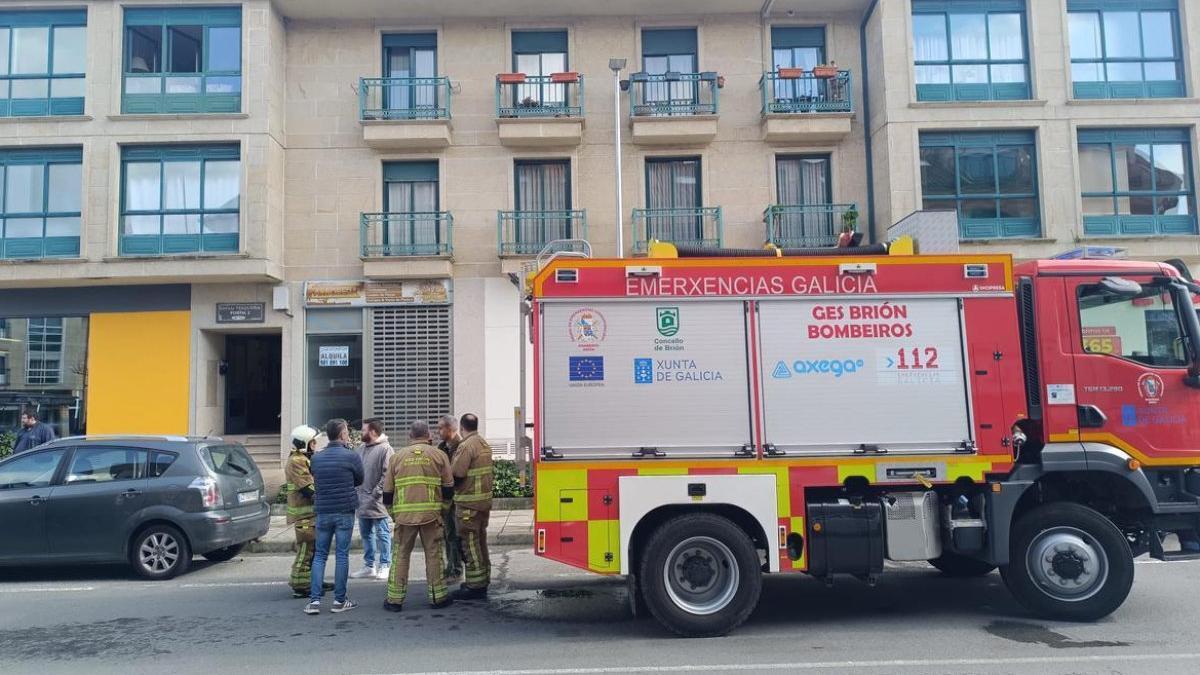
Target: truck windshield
column 1145, row 328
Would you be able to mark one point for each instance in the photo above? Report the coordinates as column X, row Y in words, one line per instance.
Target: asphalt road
column 545, row 618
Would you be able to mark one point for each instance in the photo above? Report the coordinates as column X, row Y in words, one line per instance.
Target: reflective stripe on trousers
column 403, row 540
column 472, row 530
column 306, row 537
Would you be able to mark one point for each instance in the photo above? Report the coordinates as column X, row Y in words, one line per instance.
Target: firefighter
column 415, row 485
column 300, row 491
column 472, row 468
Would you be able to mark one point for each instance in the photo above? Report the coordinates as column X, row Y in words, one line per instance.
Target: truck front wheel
column 700, row 575
column 1068, row 562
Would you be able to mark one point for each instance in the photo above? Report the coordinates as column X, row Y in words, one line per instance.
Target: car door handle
column 132, row 493
column 36, row 500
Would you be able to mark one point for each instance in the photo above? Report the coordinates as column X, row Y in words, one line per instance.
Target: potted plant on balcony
column 511, row 78
column 570, row 77
column 850, row 219
column 790, row 73
column 825, row 71
column 529, row 102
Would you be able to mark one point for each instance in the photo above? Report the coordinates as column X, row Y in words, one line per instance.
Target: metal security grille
column 412, row 350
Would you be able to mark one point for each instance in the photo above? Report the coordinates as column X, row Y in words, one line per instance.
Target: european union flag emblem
column 586, row 368
column 643, row 371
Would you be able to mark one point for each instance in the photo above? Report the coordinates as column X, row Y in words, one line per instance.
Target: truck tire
column 961, row 567
column 160, row 552
column 1068, row 562
column 700, row 575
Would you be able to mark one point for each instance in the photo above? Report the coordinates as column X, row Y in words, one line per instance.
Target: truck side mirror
column 1121, row 287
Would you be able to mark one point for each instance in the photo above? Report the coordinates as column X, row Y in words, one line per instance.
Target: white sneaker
column 364, row 573
column 383, row 573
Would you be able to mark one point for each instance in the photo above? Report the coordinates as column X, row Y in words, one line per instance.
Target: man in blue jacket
column 337, row 471
column 33, row 433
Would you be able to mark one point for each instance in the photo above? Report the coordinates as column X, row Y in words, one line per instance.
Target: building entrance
column 253, row 373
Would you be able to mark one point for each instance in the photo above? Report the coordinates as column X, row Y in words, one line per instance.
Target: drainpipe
column 766, row 8
column 866, row 99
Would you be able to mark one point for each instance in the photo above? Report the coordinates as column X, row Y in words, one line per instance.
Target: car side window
column 32, row 470
column 106, row 464
column 1144, row 328
column 161, row 461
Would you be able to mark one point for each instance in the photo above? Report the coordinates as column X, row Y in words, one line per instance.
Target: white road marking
column 234, row 584
column 897, row 663
column 51, row 589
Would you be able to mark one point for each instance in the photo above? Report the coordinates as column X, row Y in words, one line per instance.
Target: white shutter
column 413, row 375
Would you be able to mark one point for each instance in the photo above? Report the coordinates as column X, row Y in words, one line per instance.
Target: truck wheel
column 700, row 575
column 1068, row 562
column 961, row 567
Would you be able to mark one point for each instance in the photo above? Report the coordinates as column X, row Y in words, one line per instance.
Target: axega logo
column 587, row 328
column 1151, row 387
column 835, row 367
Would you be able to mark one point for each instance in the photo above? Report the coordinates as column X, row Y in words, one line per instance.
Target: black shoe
column 443, row 604
column 389, row 607
column 296, row 593
column 465, row 593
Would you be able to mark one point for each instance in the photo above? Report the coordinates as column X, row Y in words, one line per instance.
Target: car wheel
column 1068, row 561
column 160, row 552
column 225, row 554
column 700, row 575
column 961, row 567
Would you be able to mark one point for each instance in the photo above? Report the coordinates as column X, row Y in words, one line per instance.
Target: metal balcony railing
column 793, row 91
column 407, row 234
column 528, row 232
column 557, row 95
column 701, row 227
column 673, row 94
column 403, row 98
column 808, row 225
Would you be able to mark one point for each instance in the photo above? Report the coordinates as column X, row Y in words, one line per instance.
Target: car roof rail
column 122, row 437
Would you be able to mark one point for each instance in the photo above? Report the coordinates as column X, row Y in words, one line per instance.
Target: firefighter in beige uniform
column 416, row 483
column 300, row 490
column 472, row 467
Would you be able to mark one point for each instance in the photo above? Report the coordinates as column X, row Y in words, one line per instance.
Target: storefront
column 378, row 349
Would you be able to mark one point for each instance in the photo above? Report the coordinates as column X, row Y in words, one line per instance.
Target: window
column 1125, row 48
column 543, row 201
column 540, row 54
column 183, row 60
column 673, row 199
column 43, row 56
column 796, row 47
column 670, row 51
column 44, row 353
column 803, row 179
column 42, row 193
column 413, row 222
column 1145, row 328
column 161, row 461
column 411, row 60
column 972, row 52
column 1136, row 182
column 31, row 471
column 106, row 464
column 229, row 460
column 180, row 199
column 989, row 178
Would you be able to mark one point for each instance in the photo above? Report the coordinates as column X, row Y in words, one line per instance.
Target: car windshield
column 230, row 460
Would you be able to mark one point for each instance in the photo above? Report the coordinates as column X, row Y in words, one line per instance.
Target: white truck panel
column 754, row 494
column 837, row 373
column 620, row 376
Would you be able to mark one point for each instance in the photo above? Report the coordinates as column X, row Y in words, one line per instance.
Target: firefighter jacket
column 473, row 473
column 299, row 476
column 417, row 475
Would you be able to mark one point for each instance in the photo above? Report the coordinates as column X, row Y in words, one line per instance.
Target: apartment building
column 265, row 213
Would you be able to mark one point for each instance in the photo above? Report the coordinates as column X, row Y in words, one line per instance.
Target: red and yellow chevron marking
column 578, row 503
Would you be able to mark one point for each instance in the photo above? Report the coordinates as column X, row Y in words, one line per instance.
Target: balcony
column 407, row 245
column 521, row 233
column 539, row 110
column 699, row 227
column 808, row 225
column 806, row 107
column 674, row 108
column 401, row 113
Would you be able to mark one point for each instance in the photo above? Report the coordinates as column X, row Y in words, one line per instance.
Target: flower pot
column 791, row 73
column 510, row 78
column 564, row 78
column 825, row 72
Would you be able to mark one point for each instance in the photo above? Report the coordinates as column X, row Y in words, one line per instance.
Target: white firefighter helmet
column 302, row 436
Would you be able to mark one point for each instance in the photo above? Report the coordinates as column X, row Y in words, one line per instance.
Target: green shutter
column 410, row 172
column 968, row 6
column 1120, row 5
column 410, row 40
column 539, row 41
column 71, row 17
column 790, row 37
column 179, row 152
column 660, row 42
column 41, row 155
column 204, row 16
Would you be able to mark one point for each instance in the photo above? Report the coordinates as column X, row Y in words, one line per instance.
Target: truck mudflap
column 1182, row 513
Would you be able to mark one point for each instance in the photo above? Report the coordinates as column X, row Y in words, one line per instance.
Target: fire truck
column 699, row 422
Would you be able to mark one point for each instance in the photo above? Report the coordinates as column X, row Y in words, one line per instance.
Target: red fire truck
column 699, row 422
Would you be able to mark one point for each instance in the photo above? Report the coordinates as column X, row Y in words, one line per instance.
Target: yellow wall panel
column 138, row 377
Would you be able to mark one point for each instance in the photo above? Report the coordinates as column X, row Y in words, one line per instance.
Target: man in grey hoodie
column 374, row 525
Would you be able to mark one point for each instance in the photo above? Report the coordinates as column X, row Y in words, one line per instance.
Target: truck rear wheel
column 1068, row 562
column 700, row 575
column 961, row 567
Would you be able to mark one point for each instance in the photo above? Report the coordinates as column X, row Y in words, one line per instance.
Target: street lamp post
column 617, row 65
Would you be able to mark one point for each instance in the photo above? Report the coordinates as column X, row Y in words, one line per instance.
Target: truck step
column 1178, row 556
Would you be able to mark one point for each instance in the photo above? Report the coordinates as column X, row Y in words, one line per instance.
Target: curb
column 498, row 504
column 286, row 544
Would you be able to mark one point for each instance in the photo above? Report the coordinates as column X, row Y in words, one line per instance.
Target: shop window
column 334, row 365
column 989, row 178
column 180, row 199
column 43, row 366
column 1136, row 182
column 971, row 51
column 182, row 60
column 1125, row 48
column 43, row 59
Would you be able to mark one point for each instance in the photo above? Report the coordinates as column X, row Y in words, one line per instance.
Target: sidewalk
column 505, row 528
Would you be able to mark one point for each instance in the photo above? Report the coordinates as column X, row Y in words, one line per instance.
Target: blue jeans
column 376, row 531
column 328, row 525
